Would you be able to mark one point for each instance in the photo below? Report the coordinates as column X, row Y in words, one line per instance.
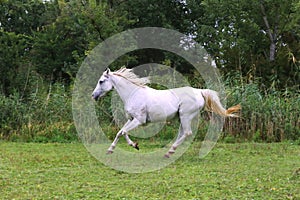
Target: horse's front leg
column 128, row 140
column 131, row 143
column 124, row 130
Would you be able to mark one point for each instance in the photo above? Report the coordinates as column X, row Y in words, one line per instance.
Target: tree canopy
column 49, row 39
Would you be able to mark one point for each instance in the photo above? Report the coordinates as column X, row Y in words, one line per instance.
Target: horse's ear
column 106, row 72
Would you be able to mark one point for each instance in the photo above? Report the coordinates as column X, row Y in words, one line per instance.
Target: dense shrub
column 46, row 115
column 267, row 114
column 12, row 115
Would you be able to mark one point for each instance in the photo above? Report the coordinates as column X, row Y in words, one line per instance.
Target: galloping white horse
column 144, row 104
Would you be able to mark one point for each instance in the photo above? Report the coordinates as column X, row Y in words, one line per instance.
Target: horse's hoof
column 167, row 156
column 136, row 145
column 109, row 152
column 171, row 152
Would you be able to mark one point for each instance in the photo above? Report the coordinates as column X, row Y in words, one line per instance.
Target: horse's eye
column 100, row 82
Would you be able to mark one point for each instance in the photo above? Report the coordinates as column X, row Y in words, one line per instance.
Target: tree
column 55, row 45
column 18, row 23
column 12, row 51
column 248, row 37
column 172, row 14
column 23, row 17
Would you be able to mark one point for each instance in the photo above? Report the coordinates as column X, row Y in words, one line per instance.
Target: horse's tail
column 212, row 103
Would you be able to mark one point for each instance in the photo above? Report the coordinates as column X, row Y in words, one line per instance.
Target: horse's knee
column 121, row 133
column 188, row 133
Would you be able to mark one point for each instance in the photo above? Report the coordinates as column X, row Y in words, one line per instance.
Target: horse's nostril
column 95, row 96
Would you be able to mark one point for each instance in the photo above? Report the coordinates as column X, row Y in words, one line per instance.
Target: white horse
column 144, row 104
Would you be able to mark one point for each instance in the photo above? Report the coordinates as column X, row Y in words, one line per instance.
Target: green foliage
column 46, row 116
column 43, row 43
column 235, row 33
column 12, row 60
column 154, row 13
column 12, row 112
column 26, row 16
column 59, row 34
column 267, row 114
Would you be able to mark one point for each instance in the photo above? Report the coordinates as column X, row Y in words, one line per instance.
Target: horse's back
column 191, row 99
column 183, row 96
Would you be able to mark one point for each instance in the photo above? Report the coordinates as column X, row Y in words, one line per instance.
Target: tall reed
column 267, row 114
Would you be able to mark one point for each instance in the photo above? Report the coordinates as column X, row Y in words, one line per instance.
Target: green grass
column 230, row 171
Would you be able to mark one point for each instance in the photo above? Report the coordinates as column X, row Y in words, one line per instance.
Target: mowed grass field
column 230, row 171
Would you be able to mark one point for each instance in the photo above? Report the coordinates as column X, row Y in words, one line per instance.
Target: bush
column 267, row 114
column 12, row 115
column 46, row 115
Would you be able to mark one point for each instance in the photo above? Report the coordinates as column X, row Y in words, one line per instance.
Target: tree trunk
column 272, row 34
column 272, row 51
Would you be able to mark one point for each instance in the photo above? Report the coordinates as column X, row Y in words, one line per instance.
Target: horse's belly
column 160, row 113
column 162, row 108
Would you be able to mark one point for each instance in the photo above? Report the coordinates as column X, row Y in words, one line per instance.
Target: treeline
column 256, row 46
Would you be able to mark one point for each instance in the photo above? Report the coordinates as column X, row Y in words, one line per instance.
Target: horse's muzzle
column 95, row 97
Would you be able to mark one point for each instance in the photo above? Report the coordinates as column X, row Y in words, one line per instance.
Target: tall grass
column 267, row 114
column 45, row 115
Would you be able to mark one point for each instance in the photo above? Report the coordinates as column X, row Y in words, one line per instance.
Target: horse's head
column 103, row 86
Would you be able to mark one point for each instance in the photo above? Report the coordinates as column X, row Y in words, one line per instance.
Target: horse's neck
column 124, row 87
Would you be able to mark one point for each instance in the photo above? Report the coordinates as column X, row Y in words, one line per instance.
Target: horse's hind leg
column 173, row 147
column 177, row 143
column 185, row 131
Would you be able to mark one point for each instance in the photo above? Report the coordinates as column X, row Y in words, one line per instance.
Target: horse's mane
column 132, row 77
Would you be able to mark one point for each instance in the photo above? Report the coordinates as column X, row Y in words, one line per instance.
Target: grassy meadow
column 42, row 158
column 230, row 171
